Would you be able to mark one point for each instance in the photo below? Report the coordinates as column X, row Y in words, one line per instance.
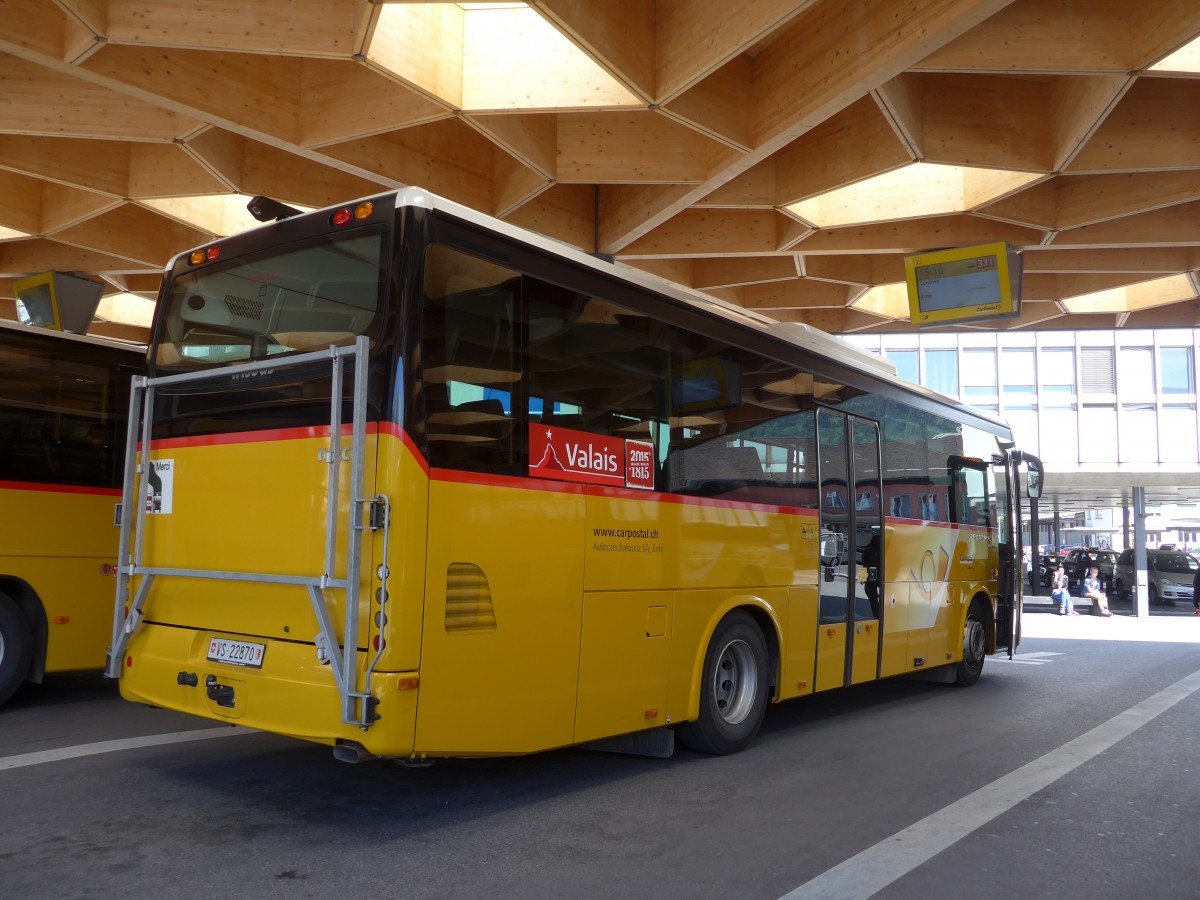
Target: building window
column 941, row 371
column 1098, row 370
column 905, row 362
column 1177, row 432
column 1098, row 433
column 979, row 372
column 1138, row 432
column 1135, row 371
column 1178, row 373
column 1019, row 371
column 1058, row 370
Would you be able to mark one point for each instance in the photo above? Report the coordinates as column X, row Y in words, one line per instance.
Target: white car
column 1170, row 573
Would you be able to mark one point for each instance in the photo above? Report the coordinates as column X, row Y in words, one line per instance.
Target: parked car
column 1169, row 574
column 1080, row 560
column 1047, row 566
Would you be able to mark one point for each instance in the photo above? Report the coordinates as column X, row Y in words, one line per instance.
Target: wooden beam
column 679, row 271
column 619, row 37
column 626, row 209
column 89, row 14
column 313, row 27
column 988, row 120
column 133, row 232
column 62, row 207
column 448, row 158
column 715, row 273
column 1156, row 125
column 797, row 293
column 753, row 189
column 283, row 176
column 260, row 93
column 1174, row 226
column 819, row 161
column 533, row 138
column 694, row 38
column 20, row 202
column 340, row 101
column 1036, row 206
column 38, row 101
column 167, row 170
column 868, row 269
column 21, row 258
column 717, row 105
column 716, row 232
column 1043, row 36
column 564, row 211
column 119, row 331
column 1080, row 103
column 514, row 183
column 97, row 165
column 917, row 235
column 631, row 147
column 1142, row 259
column 1160, row 27
column 220, row 153
column 1087, row 199
column 901, row 101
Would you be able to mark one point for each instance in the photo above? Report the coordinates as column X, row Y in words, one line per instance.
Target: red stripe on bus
column 252, row 437
column 59, row 488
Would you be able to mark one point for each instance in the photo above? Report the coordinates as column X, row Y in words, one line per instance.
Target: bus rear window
column 302, row 297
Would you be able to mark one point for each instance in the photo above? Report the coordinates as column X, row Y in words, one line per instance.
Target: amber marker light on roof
column 364, row 210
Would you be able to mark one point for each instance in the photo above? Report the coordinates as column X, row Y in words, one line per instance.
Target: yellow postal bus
column 415, row 482
column 62, row 420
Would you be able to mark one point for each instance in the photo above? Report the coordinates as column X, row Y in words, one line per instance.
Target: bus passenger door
column 850, row 518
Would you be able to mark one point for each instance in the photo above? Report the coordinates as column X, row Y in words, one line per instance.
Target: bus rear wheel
column 733, row 688
column 975, row 633
column 16, row 645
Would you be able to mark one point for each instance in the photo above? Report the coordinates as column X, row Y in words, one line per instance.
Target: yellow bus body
column 57, row 547
column 521, row 614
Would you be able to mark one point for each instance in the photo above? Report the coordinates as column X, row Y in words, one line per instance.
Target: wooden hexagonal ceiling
column 780, row 154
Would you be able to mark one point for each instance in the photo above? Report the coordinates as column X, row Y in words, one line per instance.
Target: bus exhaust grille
column 468, row 599
column 243, row 307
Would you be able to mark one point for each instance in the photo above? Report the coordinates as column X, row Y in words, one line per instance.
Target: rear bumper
column 291, row 694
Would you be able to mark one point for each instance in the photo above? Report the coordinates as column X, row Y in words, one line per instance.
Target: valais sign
column 567, row 455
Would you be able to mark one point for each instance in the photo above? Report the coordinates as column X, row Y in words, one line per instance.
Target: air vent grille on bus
column 244, row 307
column 468, row 599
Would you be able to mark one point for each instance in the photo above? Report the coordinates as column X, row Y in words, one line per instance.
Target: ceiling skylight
column 479, row 57
column 914, row 191
column 889, row 300
column 1185, row 59
column 11, row 234
column 126, row 309
column 1133, row 297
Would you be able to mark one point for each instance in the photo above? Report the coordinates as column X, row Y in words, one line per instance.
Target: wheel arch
column 767, row 619
column 27, row 601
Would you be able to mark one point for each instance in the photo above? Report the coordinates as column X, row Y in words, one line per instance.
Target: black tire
column 1153, row 595
column 1119, row 589
column 975, row 632
column 16, row 645
column 733, row 688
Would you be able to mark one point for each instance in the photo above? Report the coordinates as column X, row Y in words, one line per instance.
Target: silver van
column 1170, row 573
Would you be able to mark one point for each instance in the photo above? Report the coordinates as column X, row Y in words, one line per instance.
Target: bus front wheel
column 975, row 632
column 15, row 647
column 733, row 688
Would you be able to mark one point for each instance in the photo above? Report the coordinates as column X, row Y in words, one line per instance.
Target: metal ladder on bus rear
column 358, row 706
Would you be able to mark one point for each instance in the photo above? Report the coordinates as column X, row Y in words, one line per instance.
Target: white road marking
column 1027, row 659
column 150, row 740
column 875, row 868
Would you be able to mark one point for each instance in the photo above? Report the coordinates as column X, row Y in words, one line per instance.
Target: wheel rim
column 735, row 682
column 974, row 641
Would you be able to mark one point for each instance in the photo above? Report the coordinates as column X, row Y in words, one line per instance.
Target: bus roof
column 89, row 339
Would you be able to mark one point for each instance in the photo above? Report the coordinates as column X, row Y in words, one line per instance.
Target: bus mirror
column 1034, row 473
